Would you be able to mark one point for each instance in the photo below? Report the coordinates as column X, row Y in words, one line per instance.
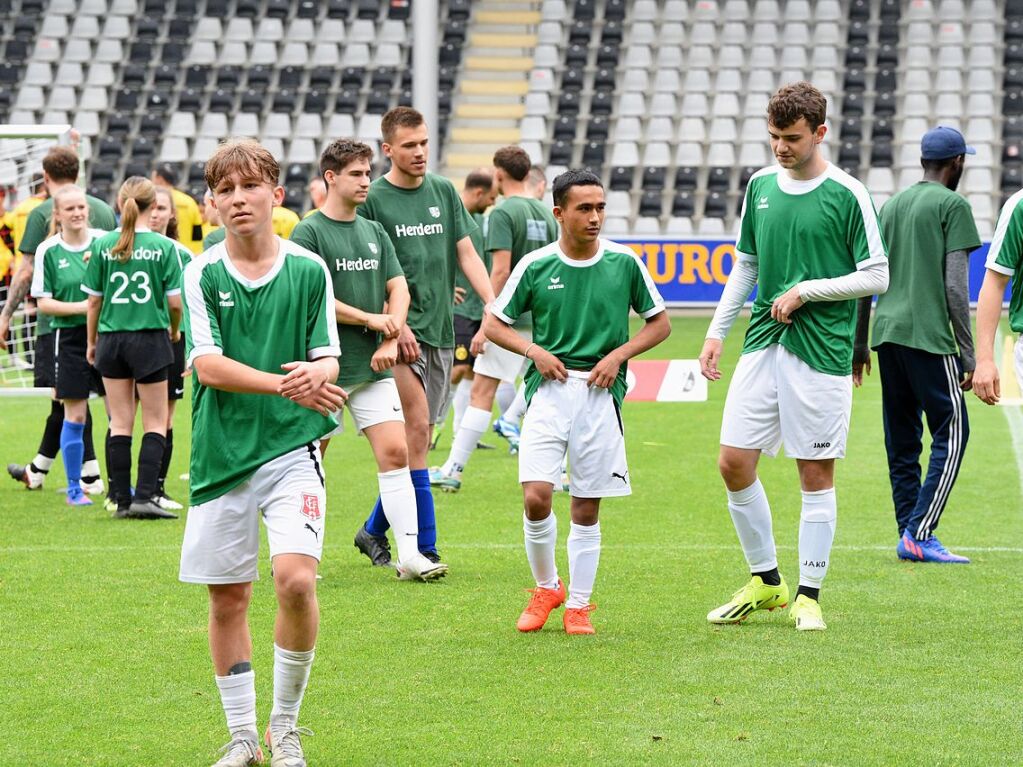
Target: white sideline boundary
column 510, row 547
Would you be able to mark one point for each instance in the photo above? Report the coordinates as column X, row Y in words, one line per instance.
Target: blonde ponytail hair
column 135, row 196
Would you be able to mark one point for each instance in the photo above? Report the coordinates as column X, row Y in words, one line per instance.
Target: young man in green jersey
column 57, row 287
column 371, row 302
column 579, row 289
column 430, row 229
column 262, row 399
column 923, row 341
column 519, row 225
column 809, row 241
column 478, row 193
column 1004, row 260
column 134, row 287
column 60, row 170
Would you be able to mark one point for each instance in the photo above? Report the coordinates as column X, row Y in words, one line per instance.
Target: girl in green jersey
column 134, row 286
column 60, row 262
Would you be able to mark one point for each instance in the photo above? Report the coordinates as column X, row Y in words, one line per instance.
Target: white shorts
column 497, row 362
column 775, row 397
column 371, row 403
column 585, row 422
column 221, row 542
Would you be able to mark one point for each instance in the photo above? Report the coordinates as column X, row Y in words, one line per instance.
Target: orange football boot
column 541, row 603
column 577, row 620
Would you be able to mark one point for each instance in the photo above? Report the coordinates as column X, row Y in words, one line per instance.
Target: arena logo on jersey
column 418, row 230
column 311, row 506
column 356, row 264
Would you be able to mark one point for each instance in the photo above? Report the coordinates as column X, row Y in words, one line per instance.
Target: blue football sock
column 377, row 523
column 72, row 447
column 424, row 510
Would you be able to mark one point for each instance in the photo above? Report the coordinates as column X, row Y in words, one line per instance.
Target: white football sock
column 751, row 515
column 461, row 402
column 583, row 558
column 505, row 395
column 238, row 697
column 541, row 538
column 291, row 672
column 42, row 463
column 817, row 522
column 516, row 411
column 398, row 498
column 90, row 468
column 474, row 423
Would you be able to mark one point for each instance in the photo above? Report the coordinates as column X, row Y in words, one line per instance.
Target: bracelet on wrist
column 526, row 352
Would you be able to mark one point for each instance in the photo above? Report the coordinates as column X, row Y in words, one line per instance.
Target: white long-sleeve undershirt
column 871, row 280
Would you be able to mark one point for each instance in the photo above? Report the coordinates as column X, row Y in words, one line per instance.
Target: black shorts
column 143, row 355
column 175, row 373
column 44, row 361
column 74, row 377
column 465, row 329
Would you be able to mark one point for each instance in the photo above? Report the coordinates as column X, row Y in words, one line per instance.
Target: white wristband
column 526, row 352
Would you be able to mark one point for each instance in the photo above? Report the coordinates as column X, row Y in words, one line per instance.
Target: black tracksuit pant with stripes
column 916, row 383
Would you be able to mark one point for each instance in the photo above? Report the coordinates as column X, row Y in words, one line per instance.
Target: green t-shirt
column 425, row 224
column 57, row 273
column 1005, row 255
column 472, row 306
column 214, row 237
column 920, row 225
column 284, row 316
column 37, row 229
column 360, row 260
column 805, row 230
column 580, row 308
column 134, row 292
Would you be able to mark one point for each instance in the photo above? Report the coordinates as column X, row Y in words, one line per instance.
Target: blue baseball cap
column 943, row 142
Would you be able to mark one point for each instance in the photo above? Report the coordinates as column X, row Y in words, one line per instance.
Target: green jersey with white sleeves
column 804, row 230
column 1005, row 255
column 425, row 224
column 286, row 315
column 135, row 291
column 580, row 307
column 360, row 260
column 57, row 273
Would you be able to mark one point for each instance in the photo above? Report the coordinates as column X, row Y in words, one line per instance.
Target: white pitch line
column 508, row 546
column 1014, row 417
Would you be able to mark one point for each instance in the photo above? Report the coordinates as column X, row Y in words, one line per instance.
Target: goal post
column 22, row 148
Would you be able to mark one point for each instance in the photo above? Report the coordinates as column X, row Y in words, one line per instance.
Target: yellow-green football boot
column 806, row 614
column 755, row 595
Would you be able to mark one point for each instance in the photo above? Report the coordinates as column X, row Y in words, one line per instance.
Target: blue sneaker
column 509, row 431
column 930, row 550
column 77, row 497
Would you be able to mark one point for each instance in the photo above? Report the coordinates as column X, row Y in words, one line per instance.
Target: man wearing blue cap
column 923, row 341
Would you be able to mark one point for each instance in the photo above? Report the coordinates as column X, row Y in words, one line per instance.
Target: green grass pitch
column 104, row 659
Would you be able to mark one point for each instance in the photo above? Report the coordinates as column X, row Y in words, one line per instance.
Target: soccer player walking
column 60, row 169
column 256, row 307
column 809, row 241
column 580, row 289
column 134, row 287
column 430, row 229
column 519, row 225
column 923, row 341
column 371, row 302
column 57, row 287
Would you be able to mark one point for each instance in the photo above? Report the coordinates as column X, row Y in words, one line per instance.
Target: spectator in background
column 189, row 218
column 317, row 193
column 923, row 341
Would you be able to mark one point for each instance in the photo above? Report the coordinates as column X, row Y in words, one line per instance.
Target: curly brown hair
column 794, row 101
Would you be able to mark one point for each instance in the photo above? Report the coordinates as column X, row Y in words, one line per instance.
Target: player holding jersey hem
column 810, row 242
column 371, row 300
column 257, row 305
column 580, row 289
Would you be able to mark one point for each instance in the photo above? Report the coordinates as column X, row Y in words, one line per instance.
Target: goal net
column 22, row 148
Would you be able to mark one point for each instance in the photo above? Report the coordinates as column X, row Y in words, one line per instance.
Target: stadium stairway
column 493, row 81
